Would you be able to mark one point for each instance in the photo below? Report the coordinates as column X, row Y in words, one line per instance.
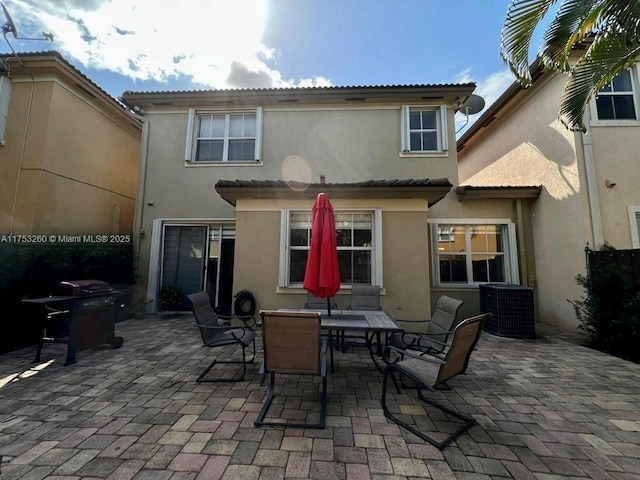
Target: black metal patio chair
column 215, row 333
column 429, row 372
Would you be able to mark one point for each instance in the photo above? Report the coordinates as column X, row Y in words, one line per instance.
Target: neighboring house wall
column 70, row 159
column 527, row 145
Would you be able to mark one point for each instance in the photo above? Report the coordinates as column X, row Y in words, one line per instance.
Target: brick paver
column 546, row 409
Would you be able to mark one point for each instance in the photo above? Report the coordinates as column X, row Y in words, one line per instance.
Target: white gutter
column 592, row 185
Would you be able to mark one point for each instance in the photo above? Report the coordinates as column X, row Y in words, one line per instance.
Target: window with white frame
column 357, row 239
column 424, row 129
column 214, row 137
column 472, row 253
column 616, row 100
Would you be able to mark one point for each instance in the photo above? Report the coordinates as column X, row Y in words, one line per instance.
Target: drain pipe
column 592, row 185
column 138, row 233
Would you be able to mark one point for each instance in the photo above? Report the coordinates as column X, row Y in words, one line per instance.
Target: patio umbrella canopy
column 322, row 275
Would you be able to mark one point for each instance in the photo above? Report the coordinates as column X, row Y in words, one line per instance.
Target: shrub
column 33, row 270
column 170, row 299
column 609, row 311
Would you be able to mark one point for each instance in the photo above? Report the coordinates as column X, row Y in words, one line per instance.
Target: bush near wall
column 30, row 271
column 609, row 311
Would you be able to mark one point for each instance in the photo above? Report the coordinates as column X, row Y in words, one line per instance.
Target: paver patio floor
column 546, row 409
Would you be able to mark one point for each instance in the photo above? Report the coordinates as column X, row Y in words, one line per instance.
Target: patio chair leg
column 259, row 422
column 468, row 421
column 238, row 378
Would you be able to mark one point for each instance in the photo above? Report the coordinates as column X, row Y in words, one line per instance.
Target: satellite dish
column 9, row 26
column 473, row 105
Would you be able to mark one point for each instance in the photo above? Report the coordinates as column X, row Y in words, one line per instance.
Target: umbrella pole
column 329, row 305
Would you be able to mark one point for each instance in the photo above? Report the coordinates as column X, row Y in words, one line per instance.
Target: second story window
column 424, row 129
column 615, row 101
column 215, row 137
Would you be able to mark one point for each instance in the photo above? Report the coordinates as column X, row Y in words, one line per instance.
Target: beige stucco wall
column 404, row 247
column 74, row 165
column 344, row 144
column 616, row 152
column 533, row 148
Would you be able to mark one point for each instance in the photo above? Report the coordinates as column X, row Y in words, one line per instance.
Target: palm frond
column 521, row 20
column 609, row 55
column 559, row 39
column 625, row 12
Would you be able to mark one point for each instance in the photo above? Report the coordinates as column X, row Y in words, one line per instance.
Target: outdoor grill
column 83, row 311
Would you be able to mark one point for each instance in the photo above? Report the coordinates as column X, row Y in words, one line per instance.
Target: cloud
column 241, row 77
column 212, row 44
column 489, row 88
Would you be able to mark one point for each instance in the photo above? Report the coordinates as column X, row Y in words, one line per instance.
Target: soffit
column 469, row 192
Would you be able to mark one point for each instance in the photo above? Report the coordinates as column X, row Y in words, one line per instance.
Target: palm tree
column 602, row 37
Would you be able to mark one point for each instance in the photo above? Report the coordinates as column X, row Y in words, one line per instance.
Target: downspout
column 522, row 254
column 138, row 233
column 592, row 185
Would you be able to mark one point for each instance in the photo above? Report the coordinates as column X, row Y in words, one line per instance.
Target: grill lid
column 79, row 288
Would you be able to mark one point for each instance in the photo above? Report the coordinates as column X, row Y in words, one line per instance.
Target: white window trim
column 634, row 210
column 443, row 136
column 510, row 253
column 593, row 109
column 376, row 258
column 190, row 147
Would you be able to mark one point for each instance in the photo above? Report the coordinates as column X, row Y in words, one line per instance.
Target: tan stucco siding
column 533, row 148
column 406, row 264
column 73, row 166
column 345, row 145
column 49, row 203
column 17, row 153
column 88, row 146
column 256, row 261
column 405, row 254
column 616, row 150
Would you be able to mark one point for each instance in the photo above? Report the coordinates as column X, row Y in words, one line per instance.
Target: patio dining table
column 377, row 325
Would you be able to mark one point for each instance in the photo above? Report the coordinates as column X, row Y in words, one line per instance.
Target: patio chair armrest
column 404, row 320
column 413, row 340
column 246, row 319
column 221, row 328
column 418, row 357
column 237, row 335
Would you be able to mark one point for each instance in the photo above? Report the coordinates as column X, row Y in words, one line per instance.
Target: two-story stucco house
column 69, row 152
column 590, row 180
column 228, row 179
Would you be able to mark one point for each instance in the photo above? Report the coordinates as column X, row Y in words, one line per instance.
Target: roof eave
column 432, row 194
column 52, row 63
column 277, row 96
column 537, row 70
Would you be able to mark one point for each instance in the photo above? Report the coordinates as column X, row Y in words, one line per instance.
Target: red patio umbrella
column 322, row 275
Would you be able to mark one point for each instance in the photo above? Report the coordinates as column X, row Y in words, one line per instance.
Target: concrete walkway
column 546, row 409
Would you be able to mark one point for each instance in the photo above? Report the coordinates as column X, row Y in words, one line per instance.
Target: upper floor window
column 357, row 239
column 472, row 253
column 424, row 129
column 224, row 136
column 615, row 101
